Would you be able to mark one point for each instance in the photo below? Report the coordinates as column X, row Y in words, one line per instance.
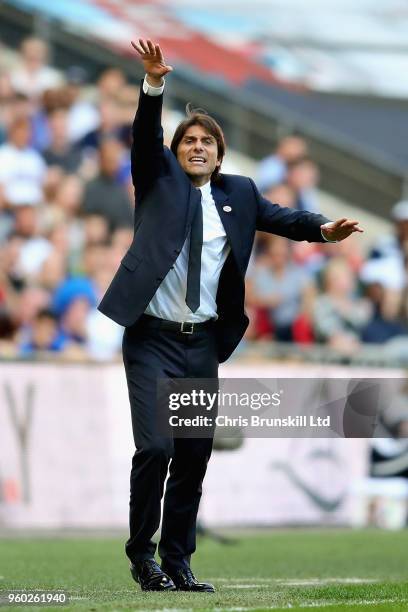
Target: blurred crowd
column 66, row 220
column 66, row 204
column 325, row 293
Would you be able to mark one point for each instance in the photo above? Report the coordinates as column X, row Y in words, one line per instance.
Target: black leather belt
column 183, row 328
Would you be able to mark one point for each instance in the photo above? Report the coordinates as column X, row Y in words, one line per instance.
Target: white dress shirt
column 169, row 300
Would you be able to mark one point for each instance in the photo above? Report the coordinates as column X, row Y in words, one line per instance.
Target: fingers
column 159, row 53
column 137, row 47
column 336, row 224
column 141, row 47
column 146, row 47
column 150, row 46
column 348, row 222
column 344, row 223
column 160, row 58
column 342, row 228
column 151, row 52
column 352, row 226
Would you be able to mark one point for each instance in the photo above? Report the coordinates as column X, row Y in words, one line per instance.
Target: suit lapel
column 228, row 218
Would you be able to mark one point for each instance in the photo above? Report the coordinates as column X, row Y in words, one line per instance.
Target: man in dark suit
column 179, row 293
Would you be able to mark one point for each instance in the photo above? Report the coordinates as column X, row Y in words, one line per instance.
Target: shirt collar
column 206, row 190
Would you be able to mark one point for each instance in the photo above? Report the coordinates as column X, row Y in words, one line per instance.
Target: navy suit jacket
column 165, row 205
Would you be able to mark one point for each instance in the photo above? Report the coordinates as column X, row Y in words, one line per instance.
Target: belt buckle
column 185, row 331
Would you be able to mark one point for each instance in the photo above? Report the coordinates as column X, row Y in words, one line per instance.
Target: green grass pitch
column 266, row 570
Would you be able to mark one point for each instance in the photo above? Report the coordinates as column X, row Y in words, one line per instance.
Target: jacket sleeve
column 147, row 154
column 287, row 222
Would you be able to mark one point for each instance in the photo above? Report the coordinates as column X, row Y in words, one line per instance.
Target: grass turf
column 331, row 570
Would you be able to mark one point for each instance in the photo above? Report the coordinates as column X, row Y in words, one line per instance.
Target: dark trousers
column 150, row 354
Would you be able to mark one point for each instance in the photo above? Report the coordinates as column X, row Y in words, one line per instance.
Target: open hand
column 340, row 229
column 153, row 61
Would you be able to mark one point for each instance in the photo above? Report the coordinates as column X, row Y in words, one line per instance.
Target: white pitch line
column 251, row 585
column 356, row 602
column 258, row 582
column 320, row 604
column 320, row 581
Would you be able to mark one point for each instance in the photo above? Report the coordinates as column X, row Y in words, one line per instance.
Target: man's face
column 20, row 135
column 109, row 158
column 44, row 332
column 197, row 154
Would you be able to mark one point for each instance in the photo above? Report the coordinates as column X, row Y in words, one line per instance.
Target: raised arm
column 147, row 149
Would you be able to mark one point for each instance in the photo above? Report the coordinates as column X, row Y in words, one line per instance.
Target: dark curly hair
column 198, row 116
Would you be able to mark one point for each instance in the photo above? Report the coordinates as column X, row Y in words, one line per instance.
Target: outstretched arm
column 287, row 222
column 147, row 149
column 301, row 225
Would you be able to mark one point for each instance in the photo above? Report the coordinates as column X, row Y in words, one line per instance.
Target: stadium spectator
column 279, row 288
column 94, row 258
column 64, row 210
column 122, row 239
column 68, row 196
column 35, row 247
column 83, row 116
column 51, row 100
column 110, row 82
column 72, row 302
column 109, row 127
column 70, row 290
column 272, row 170
column 53, row 271
column 60, row 152
column 43, row 335
column 339, row 315
column 22, row 169
column 385, row 322
column 104, row 336
column 30, row 301
column 303, row 177
column 283, row 194
column 33, row 76
column 392, row 249
column 104, row 195
column 13, row 105
column 383, row 282
column 353, row 254
column 96, row 229
column 127, row 100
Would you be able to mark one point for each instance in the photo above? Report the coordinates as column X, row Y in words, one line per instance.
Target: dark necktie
column 194, row 260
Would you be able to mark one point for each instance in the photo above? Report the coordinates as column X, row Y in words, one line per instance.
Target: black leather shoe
column 185, row 580
column 150, row 576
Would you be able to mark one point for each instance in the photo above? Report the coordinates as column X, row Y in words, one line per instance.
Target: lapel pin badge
column 227, row 208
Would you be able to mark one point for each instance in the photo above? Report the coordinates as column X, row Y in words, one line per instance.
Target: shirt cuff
column 149, row 90
column 324, row 238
